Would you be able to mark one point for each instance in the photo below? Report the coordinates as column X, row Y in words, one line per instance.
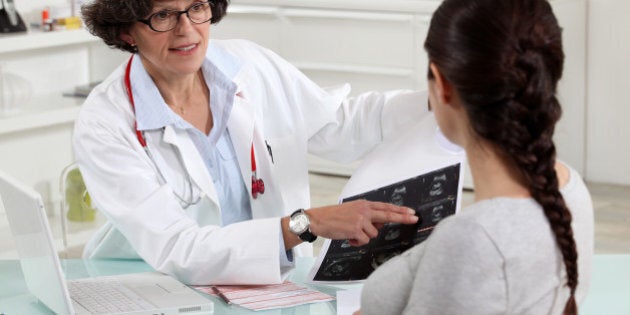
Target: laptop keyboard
column 106, row 295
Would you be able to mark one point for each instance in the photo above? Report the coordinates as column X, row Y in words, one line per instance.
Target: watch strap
column 308, row 236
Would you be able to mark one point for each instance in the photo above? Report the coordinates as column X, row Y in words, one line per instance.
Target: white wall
column 608, row 80
column 570, row 135
column 598, row 147
column 608, row 84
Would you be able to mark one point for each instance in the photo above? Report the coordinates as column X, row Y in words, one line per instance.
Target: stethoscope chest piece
column 258, row 186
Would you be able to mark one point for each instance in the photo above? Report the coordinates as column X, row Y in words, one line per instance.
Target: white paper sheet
column 264, row 297
column 420, row 151
column 348, row 301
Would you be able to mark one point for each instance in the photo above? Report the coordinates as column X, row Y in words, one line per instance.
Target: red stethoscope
column 258, row 185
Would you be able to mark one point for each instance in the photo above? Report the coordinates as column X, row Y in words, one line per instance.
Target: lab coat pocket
column 290, row 165
column 287, row 152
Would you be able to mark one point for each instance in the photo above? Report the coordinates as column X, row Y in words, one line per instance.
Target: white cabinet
column 371, row 45
column 371, row 50
column 334, row 42
column 378, row 45
column 35, row 141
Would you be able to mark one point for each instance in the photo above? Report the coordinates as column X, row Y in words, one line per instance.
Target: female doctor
column 195, row 150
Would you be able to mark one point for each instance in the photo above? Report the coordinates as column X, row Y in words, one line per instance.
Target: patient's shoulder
column 563, row 174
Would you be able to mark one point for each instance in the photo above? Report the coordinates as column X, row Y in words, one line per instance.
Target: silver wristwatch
column 299, row 224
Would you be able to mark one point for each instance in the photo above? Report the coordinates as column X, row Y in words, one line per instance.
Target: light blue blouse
column 216, row 148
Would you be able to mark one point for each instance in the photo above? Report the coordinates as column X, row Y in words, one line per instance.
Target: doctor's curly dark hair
column 107, row 19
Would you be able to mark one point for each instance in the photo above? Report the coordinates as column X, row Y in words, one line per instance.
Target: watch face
column 299, row 224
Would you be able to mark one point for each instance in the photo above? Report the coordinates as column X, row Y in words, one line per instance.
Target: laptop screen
column 34, row 243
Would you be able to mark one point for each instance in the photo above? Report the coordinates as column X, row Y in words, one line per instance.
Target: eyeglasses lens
column 167, row 20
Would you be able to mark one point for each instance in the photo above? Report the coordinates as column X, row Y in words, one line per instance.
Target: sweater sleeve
column 458, row 270
column 387, row 289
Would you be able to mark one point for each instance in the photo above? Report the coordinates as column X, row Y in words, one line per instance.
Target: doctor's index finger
column 385, row 213
column 388, row 207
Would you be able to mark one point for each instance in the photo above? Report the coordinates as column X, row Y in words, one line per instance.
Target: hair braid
column 504, row 57
column 537, row 166
column 527, row 140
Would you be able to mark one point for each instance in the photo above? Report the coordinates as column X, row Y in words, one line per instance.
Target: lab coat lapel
column 244, row 132
column 241, row 128
column 271, row 203
column 192, row 161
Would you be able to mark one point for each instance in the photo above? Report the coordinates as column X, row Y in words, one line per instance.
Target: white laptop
column 140, row 293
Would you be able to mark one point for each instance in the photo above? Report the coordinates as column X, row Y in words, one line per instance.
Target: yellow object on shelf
column 78, row 201
column 70, row 23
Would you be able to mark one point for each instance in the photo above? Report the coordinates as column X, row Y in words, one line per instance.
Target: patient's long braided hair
column 504, row 58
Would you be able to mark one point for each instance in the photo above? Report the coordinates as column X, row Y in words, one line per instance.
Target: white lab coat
column 274, row 102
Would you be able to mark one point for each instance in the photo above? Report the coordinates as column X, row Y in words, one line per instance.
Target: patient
column 526, row 245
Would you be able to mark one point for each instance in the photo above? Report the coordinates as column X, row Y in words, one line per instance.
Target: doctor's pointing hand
column 357, row 221
column 196, row 150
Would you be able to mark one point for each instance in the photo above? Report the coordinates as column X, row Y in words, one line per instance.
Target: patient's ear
column 443, row 88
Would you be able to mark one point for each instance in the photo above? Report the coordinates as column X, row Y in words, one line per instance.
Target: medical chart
column 264, row 297
column 433, row 195
column 419, row 169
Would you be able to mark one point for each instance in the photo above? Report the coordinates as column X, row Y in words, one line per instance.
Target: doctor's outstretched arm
column 357, row 221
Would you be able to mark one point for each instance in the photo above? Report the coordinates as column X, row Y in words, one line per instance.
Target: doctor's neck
column 187, row 95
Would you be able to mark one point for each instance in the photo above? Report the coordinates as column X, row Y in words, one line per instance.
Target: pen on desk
column 221, row 295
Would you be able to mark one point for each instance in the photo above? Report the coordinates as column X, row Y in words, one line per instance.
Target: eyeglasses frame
column 147, row 21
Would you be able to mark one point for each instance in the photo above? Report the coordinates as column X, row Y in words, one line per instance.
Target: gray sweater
column 496, row 256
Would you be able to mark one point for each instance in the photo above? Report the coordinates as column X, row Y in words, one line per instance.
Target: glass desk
column 16, row 300
column 610, row 286
column 609, row 293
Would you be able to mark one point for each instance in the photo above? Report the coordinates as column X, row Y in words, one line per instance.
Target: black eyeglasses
column 166, row 20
